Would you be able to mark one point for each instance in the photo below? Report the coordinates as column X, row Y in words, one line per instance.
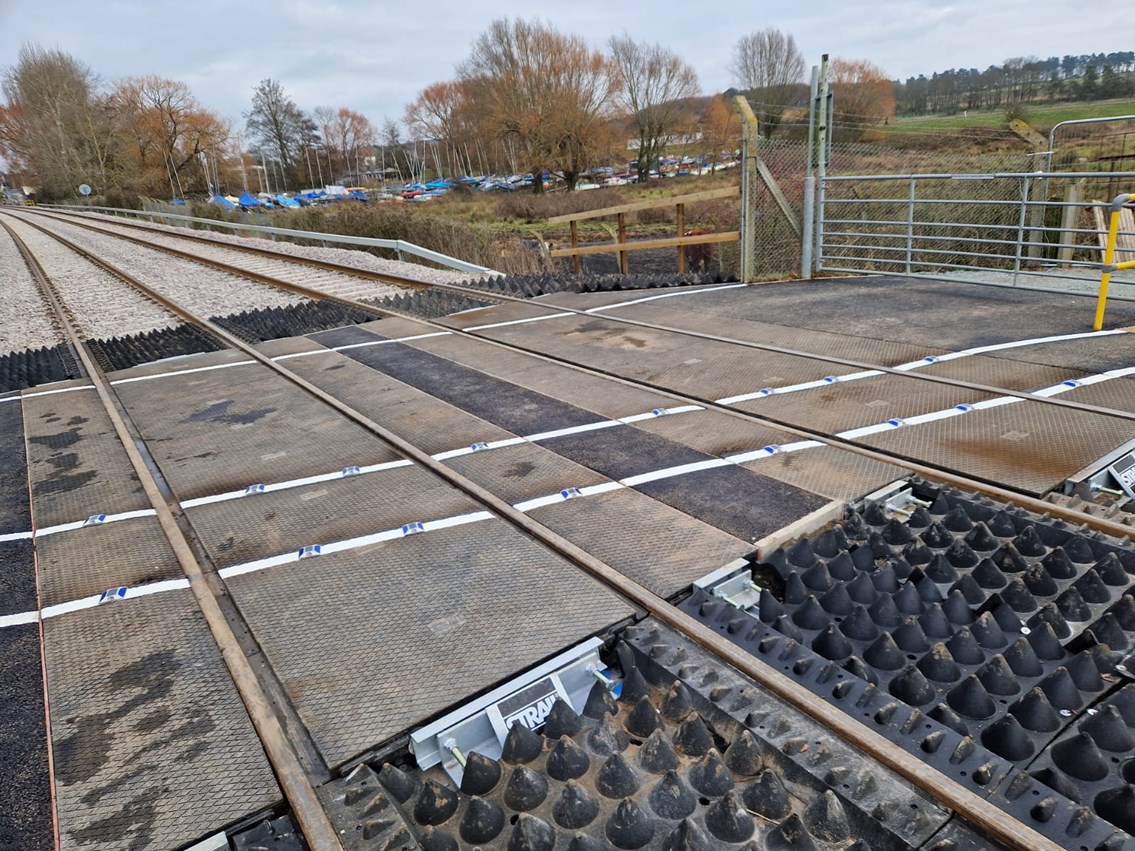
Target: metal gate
column 1034, row 229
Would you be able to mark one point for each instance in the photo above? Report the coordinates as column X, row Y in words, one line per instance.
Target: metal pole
column 1109, row 257
column 1021, row 226
column 810, row 182
column 748, row 190
column 910, row 225
column 824, row 108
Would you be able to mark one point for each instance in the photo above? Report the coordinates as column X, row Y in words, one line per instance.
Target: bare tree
column 543, row 93
column 862, row 96
column 56, row 127
column 162, row 133
column 275, row 124
column 770, row 66
column 656, row 85
column 444, row 112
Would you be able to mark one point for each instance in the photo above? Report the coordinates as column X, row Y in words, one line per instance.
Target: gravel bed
column 206, row 292
column 24, row 320
column 356, row 258
column 102, row 305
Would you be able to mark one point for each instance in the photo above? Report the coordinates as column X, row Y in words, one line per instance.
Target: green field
column 1040, row 116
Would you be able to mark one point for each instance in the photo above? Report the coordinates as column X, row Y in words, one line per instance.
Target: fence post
column 622, row 238
column 680, row 219
column 910, row 225
column 748, row 190
column 574, row 244
column 810, row 182
column 822, row 146
column 1068, row 219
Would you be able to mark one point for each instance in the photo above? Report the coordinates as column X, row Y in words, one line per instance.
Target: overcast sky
column 376, row 56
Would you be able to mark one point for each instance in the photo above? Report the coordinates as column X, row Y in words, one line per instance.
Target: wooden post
column 574, row 244
column 681, row 219
column 622, row 238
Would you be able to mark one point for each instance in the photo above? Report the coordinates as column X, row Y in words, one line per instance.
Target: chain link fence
column 779, row 245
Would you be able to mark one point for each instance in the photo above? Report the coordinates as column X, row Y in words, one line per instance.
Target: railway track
column 208, row 587
column 820, row 366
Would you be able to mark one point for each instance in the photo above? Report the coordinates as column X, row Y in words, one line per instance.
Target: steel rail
column 297, row 789
column 492, row 295
column 952, row 795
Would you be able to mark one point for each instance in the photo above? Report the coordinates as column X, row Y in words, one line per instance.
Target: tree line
column 1020, row 80
column 527, row 98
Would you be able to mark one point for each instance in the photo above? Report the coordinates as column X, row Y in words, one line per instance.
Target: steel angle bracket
column 734, row 584
column 482, row 725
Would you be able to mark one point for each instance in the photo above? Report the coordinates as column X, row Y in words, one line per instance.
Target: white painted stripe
column 579, row 429
column 353, row 543
column 780, row 449
column 558, row 497
column 193, row 371
column 670, row 472
column 370, row 343
column 56, row 392
column 675, row 293
column 18, row 619
column 1000, row 347
column 519, row 321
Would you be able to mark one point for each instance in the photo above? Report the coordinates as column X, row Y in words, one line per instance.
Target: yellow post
column 1109, row 258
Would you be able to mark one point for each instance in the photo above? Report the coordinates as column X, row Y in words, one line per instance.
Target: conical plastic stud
column 671, row 798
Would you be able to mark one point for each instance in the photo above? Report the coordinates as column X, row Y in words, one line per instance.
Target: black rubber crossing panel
column 15, row 515
column 25, row 793
column 750, row 507
column 431, row 424
column 500, row 402
column 17, row 577
column 741, row 502
column 374, row 641
column 587, row 390
column 623, row 451
column 153, row 747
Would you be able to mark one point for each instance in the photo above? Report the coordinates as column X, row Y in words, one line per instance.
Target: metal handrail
column 397, row 245
column 1109, row 265
column 1015, row 175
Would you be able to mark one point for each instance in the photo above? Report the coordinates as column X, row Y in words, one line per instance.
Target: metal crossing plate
column 526, row 471
column 153, row 748
column 90, row 560
column 370, row 642
column 846, row 405
column 278, row 522
column 78, row 467
column 716, row 314
column 218, row 431
column 1026, row 445
column 656, row 545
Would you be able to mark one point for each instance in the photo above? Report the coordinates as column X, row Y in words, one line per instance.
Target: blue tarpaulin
column 246, row 200
column 222, row 202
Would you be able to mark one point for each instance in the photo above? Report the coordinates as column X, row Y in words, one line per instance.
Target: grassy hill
column 1041, row 116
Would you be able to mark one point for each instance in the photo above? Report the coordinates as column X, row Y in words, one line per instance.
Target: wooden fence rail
column 680, row 241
